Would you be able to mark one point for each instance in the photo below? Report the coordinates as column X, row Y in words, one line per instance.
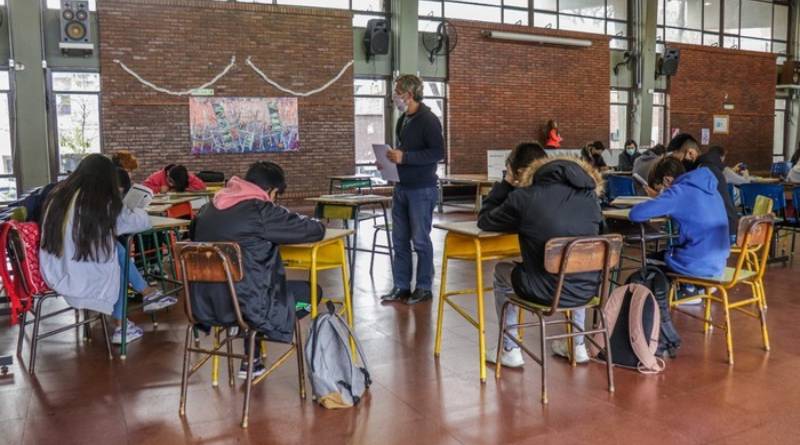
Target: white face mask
column 631, row 151
column 399, row 103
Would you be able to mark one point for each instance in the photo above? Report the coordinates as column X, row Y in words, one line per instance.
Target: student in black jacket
column 245, row 212
column 552, row 198
column 714, row 160
column 628, row 157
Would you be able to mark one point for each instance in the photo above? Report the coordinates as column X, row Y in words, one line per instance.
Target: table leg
column 388, row 239
column 441, row 196
column 123, row 293
column 481, row 324
column 644, row 246
column 354, row 251
column 437, row 346
column 348, row 298
column 312, row 279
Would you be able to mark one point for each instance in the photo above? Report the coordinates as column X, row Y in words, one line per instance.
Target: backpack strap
column 361, row 354
column 644, row 344
column 9, row 284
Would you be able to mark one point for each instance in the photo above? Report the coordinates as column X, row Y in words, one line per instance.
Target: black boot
column 396, row 295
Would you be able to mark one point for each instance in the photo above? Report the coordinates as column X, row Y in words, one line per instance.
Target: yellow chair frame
column 474, row 249
column 755, row 234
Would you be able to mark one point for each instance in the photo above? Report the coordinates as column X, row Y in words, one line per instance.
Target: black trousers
column 301, row 291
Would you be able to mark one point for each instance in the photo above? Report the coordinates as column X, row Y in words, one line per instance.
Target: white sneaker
column 559, row 348
column 508, row 358
column 157, row 301
column 134, row 333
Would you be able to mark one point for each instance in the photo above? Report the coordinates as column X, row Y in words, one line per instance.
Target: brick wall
column 697, row 93
column 502, row 93
column 182, row 44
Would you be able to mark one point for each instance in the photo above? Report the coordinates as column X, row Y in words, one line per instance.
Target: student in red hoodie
column 245, row 212
column 174, row 178
column 553, row 136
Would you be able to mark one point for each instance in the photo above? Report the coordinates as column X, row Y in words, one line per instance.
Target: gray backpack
column 337, row 381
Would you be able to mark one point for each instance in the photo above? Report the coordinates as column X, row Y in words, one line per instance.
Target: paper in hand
column 387, row 168
column 138, row 197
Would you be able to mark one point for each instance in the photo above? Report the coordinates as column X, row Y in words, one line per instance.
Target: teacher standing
column 420, row 147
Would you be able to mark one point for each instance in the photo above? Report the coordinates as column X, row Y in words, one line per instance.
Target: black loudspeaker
column 75, row 27
column 669, row 64
column 376, row 37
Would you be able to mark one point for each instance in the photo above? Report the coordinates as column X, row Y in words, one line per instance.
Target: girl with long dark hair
column 80, row 257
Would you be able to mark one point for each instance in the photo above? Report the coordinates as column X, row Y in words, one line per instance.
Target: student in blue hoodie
column 693, row 202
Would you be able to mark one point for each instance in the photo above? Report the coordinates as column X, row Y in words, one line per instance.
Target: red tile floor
column 79, row 397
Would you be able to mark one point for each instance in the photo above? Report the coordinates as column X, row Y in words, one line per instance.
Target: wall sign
column 721, row 123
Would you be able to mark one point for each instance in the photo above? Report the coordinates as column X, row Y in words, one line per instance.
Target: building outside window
column 363, row 10
column 8, row 181
column 777, row 139
column 659, row 119
column 371, row 99
column 436, row 100
column 618, row 119
column 77, row 116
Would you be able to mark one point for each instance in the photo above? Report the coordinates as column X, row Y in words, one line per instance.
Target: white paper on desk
column 387, row 168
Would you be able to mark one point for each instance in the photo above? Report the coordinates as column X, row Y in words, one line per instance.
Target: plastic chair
column 564, row 257
column 780, row 169
column 620, row 186
column 222, row 263
column 753, row 240
column 17, row 258
column 773, row 191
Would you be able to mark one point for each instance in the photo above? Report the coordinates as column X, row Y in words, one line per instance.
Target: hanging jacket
column 560, row 201
column 713, row 162
column 692, row 201
column 92, row 285
column 626, row 161
column 240, row 214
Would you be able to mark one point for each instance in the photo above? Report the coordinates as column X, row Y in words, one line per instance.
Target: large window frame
column 10, row 181
column 360, row 15
column 619, row 105
column 369, row 168
column 52, row 116
column 779, row 130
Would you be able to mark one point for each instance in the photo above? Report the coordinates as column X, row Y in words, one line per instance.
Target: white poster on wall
column 705, row 136
column 496, row 163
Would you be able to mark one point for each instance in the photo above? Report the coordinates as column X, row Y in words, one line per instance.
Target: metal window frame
column 386, row 109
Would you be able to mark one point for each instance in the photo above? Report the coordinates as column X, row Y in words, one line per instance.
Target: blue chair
column 749, row 192
column 619, row 186
column 780, row 169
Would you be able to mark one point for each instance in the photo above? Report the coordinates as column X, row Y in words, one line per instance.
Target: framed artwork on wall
column 721, row 123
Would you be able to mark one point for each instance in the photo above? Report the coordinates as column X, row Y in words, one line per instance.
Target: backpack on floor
column 633, row 321
column 657, row 281
column 211, row 176
column 20, row 290
column 337, row 381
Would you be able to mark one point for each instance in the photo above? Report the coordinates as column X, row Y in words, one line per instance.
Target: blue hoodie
column 693, row 202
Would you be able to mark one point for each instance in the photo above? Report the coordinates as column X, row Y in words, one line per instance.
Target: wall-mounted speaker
column 669, row 63
column 790, row 74
column 377, row 38
column 75, row 27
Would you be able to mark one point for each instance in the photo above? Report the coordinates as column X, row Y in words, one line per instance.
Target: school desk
column 481, row 182
column 464, row 241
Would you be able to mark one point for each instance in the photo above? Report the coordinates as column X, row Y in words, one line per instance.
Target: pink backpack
column 634, row 325
column 21, row 290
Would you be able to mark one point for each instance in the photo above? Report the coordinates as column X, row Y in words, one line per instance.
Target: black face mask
column 689, row 165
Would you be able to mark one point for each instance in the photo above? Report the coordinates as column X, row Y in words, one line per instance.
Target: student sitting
column 714, row 160
column 692, row 201
column 592, row 153
column 245, row 212
column 551, row 198
column 174, row 178
column 79, row 258
column 628, row 157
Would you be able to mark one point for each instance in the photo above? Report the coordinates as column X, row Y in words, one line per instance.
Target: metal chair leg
column 35, row 336
column 106, row 336
column 87, row 329
column 185, row 374
column 543, row 344
column 609, row 358
column 500, row 338
column 248, row 385
column 23, row 318
column 301, row 371
column 229, row 350
column 372, row 252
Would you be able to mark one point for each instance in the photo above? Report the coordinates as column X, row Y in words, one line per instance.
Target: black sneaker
column 396, row 295
column 419, row 296
column 258, row 369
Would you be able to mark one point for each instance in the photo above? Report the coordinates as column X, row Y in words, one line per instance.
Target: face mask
column 399, row 103
column 688, row 165
column 630, row 151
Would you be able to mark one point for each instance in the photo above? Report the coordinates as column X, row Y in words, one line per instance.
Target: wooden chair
column 753, row 241
column 222, row 263
column 17, row 258
column 563, row 257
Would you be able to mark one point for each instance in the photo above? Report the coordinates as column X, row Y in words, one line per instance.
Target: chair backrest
column 763, row 206
column 566, row 256
column 773, row 191
column 211, row 263
column 780, row 169
column 796, row 202
column 181, row 211
column 754, row 240
column 620, row 186
column 355, row 184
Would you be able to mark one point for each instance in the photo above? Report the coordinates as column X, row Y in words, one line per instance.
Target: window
column 777, row 139
column 363, row 10
column 436, row 100
column 618, row 119
column 595, row 16
column 8, row 182
column 77, row 116
column 755, row 25
column 659, row 118
column 56, row 4
column 371, row 99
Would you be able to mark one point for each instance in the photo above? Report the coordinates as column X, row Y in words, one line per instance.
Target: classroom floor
column 79, row 397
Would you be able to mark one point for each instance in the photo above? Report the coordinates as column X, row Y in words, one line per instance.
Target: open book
column 138, row 197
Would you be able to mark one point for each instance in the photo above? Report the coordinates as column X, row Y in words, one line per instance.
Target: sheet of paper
column 387, row 168
column 496, row 163
column 138, row 197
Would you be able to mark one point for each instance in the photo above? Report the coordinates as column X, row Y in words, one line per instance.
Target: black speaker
column 669, row 64
column 75, row 27
column 376, row 37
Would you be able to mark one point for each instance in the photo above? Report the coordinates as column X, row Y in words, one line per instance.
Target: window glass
column 583, row 24
column 338, row 4
column 754, row 44
column 617, row 9
column 8, row 184
column 683, row 36
column 710, row 39
column 542, row 20
column 77, row 114
column 471, row 12
column 731, row 17
column 756, row 19
column 711, row 15
column 56, row 4
column 367, row 5
column 430, row 8
column 370, row 126
column 515, row 17
column 781, row 22
column 683, row 13
column 547, row 5
column 583, row 7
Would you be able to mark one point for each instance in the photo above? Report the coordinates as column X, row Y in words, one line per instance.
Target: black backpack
column 657, row 281
column 211, row 176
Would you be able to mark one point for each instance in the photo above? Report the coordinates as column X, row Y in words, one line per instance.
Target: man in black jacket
column 419, row 150
column 554, row 198
column 245, row 212
column 714, row 160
